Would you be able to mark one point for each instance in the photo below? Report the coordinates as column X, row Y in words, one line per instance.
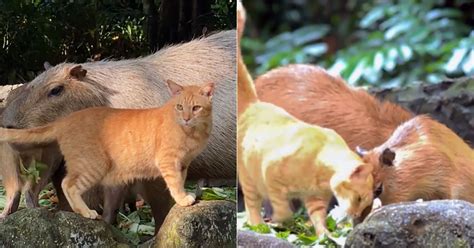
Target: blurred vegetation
column 383, row 43
column 35, row 31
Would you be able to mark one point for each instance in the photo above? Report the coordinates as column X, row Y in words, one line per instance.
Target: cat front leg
column 280, row 202
column 174, row 175
column 316, row 208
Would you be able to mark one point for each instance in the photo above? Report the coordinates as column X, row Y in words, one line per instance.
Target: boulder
column 440, row 223
column 204, row 224
column 249, row 239
column 38, row 227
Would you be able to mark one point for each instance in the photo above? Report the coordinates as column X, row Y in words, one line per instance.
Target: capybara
column 140, row 83
column 423, row 159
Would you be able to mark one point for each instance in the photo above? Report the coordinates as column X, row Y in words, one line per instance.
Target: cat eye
column 196, row 108
column 359, row 199
column 56, row 91
column 179, row 107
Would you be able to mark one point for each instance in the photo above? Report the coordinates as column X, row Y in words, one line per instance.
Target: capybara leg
column 316, row 208
column 155, row 193
column 74, row 186
column 113, row 200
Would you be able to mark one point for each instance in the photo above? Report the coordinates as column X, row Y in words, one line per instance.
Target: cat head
column 354, row 193
column 192, row 104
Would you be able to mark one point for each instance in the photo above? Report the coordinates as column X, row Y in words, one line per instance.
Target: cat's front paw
column 90, row 214
column 188, row 200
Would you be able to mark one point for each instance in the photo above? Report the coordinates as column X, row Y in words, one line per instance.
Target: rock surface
column 204, row 224
column 41, row 228
column 441, row 223
column 249, row 239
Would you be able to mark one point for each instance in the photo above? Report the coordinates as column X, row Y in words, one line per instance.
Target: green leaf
column 309, row 33
column 397, row 29
column 374, row 15
column 446, row 13
column 331, row 224
column 283, row 235
column 259, row 228
column 307, row 239
column 315, row 49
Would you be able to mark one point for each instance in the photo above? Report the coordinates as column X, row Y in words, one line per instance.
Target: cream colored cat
column 280, row 157
column 116, row 146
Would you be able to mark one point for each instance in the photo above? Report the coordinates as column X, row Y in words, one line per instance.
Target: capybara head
column 58, row 91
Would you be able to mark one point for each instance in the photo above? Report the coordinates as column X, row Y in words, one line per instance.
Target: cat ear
column 361, row 151
column 175, row 89
column 207, row 90
column 78, row 72
column 387, row 157
column 361, row 171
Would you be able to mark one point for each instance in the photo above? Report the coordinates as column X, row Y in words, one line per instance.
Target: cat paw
column 91, row 214
column 188, row 200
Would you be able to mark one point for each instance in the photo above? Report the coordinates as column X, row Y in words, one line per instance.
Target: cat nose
column 186, row 118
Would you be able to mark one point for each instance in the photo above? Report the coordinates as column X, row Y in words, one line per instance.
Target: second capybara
column 423, row 159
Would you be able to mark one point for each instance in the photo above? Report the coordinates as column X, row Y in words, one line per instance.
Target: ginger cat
column 423, row 159
column 281, row 157
column 116, row 146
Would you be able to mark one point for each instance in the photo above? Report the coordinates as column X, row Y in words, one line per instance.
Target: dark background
column 34, row 31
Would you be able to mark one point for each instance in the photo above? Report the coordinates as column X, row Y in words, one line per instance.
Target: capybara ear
column 47, row 65
column 361, row 151
column 387, row 157
column 78, row 72
column 175, row 89
column 207, row 90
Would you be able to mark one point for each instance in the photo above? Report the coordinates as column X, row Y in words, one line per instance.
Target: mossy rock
column 440, row 223
column 39, row 227
column 204, row 224
column 255, row 240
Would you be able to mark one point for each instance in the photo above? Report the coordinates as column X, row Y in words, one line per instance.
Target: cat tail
column 246, row 93
column 38, row 135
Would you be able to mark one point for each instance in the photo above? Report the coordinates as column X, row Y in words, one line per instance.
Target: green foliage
column 137, row 225
column 394, row 42
column 301, row 233
column 33, row 171
column 405, row 42
column 216, row 193
column 299, row 46
column 225, row 13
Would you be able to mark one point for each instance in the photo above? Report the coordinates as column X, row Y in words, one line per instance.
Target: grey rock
column 249, row 239
column 440, row 223
column 204, row 224
column 39, row 227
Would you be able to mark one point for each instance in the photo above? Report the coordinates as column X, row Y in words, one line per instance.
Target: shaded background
column 377, row 43
column 35, row 31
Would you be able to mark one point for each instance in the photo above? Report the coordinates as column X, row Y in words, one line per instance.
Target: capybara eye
column 56, row 91
column 196, row 108
column 179, row 107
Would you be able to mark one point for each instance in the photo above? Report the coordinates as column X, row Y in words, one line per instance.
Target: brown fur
column 117, row 146
column 313, row 95
column 281, row 157
column 431, row 162
column 139, row 83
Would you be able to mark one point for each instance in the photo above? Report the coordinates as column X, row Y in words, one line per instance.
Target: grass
column 300, row 232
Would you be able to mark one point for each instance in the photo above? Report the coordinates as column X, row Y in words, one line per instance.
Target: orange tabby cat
column 116, row 146
column 281, row 157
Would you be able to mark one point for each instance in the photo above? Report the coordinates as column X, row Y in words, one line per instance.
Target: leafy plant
column 408, row 41
column 33, row 171
column 300, row 46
